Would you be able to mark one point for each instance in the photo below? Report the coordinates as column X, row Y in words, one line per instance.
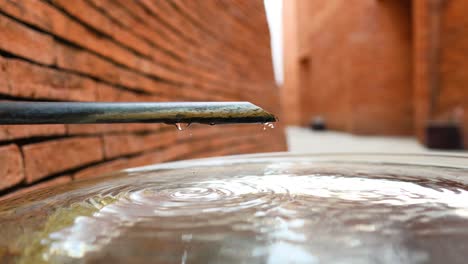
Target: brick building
column 376, row 66
column 118, row 50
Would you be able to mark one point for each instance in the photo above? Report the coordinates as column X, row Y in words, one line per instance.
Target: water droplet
column 269, row 125
column 182, row 126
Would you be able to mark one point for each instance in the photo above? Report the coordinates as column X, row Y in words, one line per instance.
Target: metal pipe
column 96, row 112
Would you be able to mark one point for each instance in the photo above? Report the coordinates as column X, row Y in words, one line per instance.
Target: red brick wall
column 354, row 64
column 441, row 63
column 377, row 66
column 453, row 67
column 290, row 91
column 119, row 50
column 424, row 53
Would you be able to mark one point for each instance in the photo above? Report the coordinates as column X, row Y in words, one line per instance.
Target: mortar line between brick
column 8, row 55
column 109, row 37
column 150, row 42
column 23, row 165
column 61, row 40
column 132, row 155
column 73, row 171
column 174, row 29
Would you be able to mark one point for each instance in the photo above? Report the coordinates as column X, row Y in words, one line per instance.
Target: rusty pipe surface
column 99, row 112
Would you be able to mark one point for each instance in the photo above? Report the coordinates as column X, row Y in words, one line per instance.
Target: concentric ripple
column 207, row 197
column 275, row 212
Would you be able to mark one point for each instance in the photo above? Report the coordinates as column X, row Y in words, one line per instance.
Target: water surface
column 278, row 210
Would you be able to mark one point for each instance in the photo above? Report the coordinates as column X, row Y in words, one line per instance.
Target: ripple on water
column 258, row 213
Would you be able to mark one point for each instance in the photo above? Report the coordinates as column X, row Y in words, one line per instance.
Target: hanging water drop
column 182, row 126
column 269, row 125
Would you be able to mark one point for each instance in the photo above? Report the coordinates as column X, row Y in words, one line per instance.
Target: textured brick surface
column 290, row 92
column 381, row 67
column 131, row 51
column 423, row 69
column 440, row 65
column 43, row 159
column 205, row 146
column 11, row 168
column 32, row 81
column 11, row 132
column 351, row 65
column 46, row 184
column 103, row 168
column 120, row 145
column 26, row 43
column 452, row 92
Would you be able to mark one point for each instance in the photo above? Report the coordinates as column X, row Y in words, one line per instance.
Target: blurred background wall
column 121, row 50
column 376, row 67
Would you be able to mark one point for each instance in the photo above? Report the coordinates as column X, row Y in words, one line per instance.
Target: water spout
column 95, row 112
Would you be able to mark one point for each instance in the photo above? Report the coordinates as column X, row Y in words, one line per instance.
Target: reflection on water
column 267, row 212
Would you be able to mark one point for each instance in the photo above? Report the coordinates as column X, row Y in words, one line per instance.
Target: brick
column 4, row 86
column 11, row 132
column 55, row 22
column 17, row 194
column 144, row 127
column 146, row 159
column 119, row 164
column 78, row 60
column 50, row 157
column 75, row 32
column 86, row 63
column 119, row 145
column 442, row 59
column 133, row 52
column 22, row 41
column 107, row 93
column 184, row 68
column 335, row 77
column 173, row 152
column 101, row 169
column 104, row 24
column 94, row 129
column 32, row 81
column 11, row 169
column 32, row 12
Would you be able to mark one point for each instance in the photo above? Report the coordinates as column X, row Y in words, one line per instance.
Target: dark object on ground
column 318, row 124
column 443, row 135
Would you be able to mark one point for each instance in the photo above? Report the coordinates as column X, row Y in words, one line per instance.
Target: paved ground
column 305, row 140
